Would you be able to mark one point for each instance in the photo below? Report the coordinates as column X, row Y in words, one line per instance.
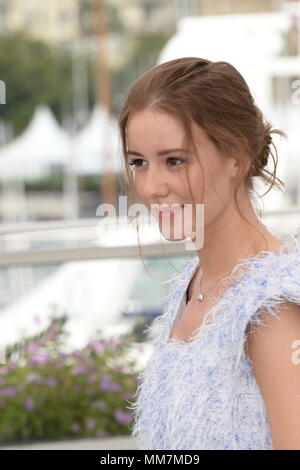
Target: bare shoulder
column 274, row 349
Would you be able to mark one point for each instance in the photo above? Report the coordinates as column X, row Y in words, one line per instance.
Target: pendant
column 200, row 297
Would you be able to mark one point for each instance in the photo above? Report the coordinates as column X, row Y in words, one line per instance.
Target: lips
column 165, row 209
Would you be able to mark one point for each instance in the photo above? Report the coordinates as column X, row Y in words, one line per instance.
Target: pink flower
column 98, row 346
column 75, row 427
column 39, row 359
column 108, row 386
column 116, row 341
column 13, row 365
column 123, row 417
column 29, row 404
column 51, row 382
column 79, row 370
column 92, row 378
column 90, row 423
column 4, row 370
column 35, row 378
column 128, row 395
column 31, row 348
column 9, row 391
column 76, row 354
column 119, row 368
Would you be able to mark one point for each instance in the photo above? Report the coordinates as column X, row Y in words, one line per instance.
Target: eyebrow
column 160, row 153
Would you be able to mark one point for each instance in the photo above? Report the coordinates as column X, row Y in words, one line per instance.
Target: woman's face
column 161, row 179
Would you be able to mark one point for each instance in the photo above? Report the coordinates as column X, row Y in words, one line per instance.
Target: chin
column 171, row 237
column 176, row 232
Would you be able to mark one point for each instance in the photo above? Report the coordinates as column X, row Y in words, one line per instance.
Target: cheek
column 217, row 198
column 194, row 186
column 211, row 189
column 140, row 193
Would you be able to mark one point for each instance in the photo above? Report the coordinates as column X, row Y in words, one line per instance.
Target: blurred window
column 64, row 15
column 31, row 17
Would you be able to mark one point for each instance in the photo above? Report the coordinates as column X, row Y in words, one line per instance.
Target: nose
column 155, row 184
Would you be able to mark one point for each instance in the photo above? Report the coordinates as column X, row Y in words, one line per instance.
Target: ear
column 248, row 164
column 240, row 165
column 233, row 167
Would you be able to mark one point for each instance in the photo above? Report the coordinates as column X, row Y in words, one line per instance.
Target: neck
column 226, row 242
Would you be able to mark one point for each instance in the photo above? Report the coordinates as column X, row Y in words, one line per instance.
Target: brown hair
column 216, row 97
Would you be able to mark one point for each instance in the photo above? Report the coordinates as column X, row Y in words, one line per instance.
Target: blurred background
column 75, row 297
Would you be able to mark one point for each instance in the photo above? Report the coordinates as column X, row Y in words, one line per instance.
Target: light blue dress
column 203, row 394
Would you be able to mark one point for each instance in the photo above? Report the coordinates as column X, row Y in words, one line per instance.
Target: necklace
column 200, row 296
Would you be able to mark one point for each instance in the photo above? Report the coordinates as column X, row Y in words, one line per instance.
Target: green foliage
column 35, row 73
column 145, row 51
column 52, row 182
column 47, row 392
column 94, row 182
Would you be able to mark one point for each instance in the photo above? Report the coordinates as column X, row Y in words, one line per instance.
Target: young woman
column 224, row 373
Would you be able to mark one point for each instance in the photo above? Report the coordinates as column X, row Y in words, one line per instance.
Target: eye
column 137, row 162
column 173, row 159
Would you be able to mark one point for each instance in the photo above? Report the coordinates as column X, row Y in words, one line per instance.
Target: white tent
column 43, row 145
column 96, row 145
